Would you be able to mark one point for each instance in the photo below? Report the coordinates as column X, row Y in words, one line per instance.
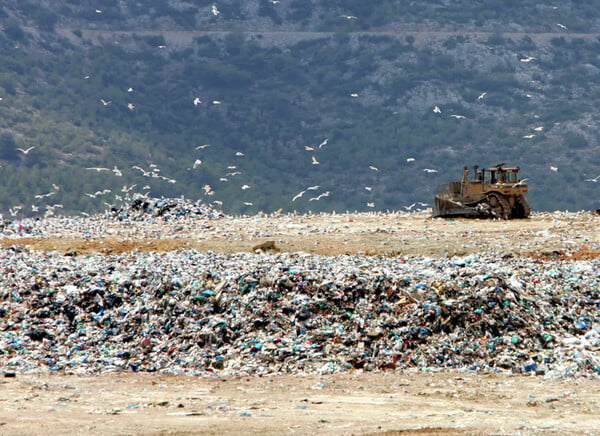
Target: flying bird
column 555, row 169
column 562, row 26
column 318, row 197
column 239, row 153
column 131, row 106
column 105, row 102
column 410, row 159
column 117, row 171
column 298, row 195
column 323, row 143
column 215, row 11
column 595, row 179
column 481, row 96
column 197, row 101
column 315, row 161
column 202, row 147
column 458, row 117
column 531, row 135
column 98, row 169
column 370, row 204
column 244, row 187
column 354, row 95
column 368, row 188
column 308, row 148
column 371, row 167
column 197, row 163
column 349, row 17
column 430, row 170
column 437, row 110
column 26, row 150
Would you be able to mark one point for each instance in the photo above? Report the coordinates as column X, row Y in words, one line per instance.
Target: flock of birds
column 153, row 172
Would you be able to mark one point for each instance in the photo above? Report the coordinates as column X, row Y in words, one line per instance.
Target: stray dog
column 266, row 247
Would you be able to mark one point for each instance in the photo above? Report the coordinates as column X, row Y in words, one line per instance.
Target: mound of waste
column 238, row 314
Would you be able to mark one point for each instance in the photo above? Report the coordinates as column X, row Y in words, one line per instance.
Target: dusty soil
column 359, row 403
column 344, row 404
column 547, row 236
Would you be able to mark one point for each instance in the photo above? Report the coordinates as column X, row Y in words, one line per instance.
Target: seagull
column 430, row 170
column 126, row 188
column 354, row 94
column 117, row 171
column 247, row 203
column 231, row 167
column 239, row 153
column 208, row 190
column 562, row 26
column 595, row 179
column 98, row 11
column 458, row 117
column 308, row 148
column 223, row 179
column 131, row 106
column 520, row 182
column 539, row 128
column 555, row 169
column 214, row 10
column 437, row 110
column 371, row 167
column 481, row 96
column 98, row 169
column 216, row 102
column 144, row 172
column 130, row 89
column 235, row 173
column 197, row 163
column 313, row 188
column 370, row 204
column 409, row 207
column 410, row 159
column 323, row 143
column 202, row 147
column 315, row 161
column 349, row 17
column 44, row 195
column 527, row 59
column 528, row 136
column 298, row 195
column 27, row 150
column 197, row 101
column 244, row 187
column 318, row 197
column 105, row 102
column 368, row 188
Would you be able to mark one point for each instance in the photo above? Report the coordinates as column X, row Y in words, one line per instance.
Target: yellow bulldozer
column 495, row 192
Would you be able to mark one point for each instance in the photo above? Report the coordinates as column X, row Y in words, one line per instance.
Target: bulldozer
column 495, row 192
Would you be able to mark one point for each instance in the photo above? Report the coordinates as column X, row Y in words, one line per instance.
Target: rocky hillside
column 246, row 104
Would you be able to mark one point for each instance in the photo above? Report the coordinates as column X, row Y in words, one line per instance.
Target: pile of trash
column 186, row 312
column 142, row 207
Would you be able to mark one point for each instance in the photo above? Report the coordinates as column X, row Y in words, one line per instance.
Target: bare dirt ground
column 355, row 402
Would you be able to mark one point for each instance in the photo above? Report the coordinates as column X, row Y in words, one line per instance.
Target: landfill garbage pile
column 245, row 314
column 141, row 208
